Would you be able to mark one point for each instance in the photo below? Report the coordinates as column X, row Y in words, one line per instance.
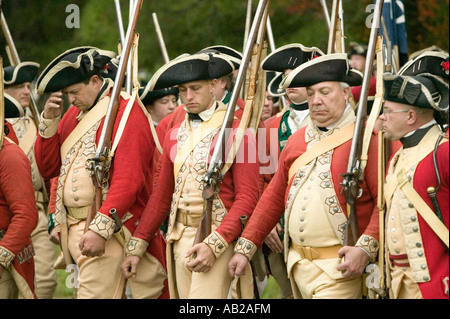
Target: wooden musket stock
column 99, row 165
column 354, row 175
column 213, row 175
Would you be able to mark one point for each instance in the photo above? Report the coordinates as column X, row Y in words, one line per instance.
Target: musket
column 99, row 164
column 333, row 25
column 14, row 59
column 391, row 64
column 161, row 42
column 213, row 176
column 323, row 3
column 272, row 48
column 341, row 23
column 354, row 174
column 248, row 21
column 119, row 22
column 129, row 78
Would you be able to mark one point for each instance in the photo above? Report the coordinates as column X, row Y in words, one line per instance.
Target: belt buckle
column 308, row 253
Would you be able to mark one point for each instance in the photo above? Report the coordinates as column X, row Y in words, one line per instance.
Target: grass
column 272, row 290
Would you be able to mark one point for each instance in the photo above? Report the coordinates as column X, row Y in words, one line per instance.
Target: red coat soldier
column 309, row 191
column 18, row 217
column 186, row 154
column 417, row 181
column 63, row 148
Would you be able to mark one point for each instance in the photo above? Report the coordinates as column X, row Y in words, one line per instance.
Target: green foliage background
column 40, row 33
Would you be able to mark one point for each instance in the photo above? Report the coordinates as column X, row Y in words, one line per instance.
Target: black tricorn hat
column 232, row 54
column 357, row 49
column 289, row 56
column 72, row 66
column 330, row 67
column 13, row 108
column 270, row 76
column 21, row 73
column 196, row 67
column 273, row 87
column 110, row 69
column 424, row 91
column 148, row 97
column 429, row 62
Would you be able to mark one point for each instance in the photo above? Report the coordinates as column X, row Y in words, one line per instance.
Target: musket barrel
column 120, row 22
column 14, row 58
column 362, row 107
column 161, row 42
column 217, row 156
column 118, row 81
column 9, row 41
column 333, row 23
column 325, row 13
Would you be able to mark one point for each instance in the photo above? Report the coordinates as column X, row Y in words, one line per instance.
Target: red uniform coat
column 18, row 212
column 271, row 206
column 273, row 151
column 130, row 173
column 435, row 250
column 238, row 191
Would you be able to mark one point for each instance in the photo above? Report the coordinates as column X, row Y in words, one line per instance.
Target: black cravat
column 415, row 138
column 300, row 107
column 194, row 117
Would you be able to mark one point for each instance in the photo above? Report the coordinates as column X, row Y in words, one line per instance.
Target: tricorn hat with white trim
column 424, row 91
column 71, row 67
column 429, row 62
column 273, row 87
column 21, row 73
column 13, row 109
column 148, row 97
column 330, row 67
column 196, row 67
column 290, row 56
column 232, row 54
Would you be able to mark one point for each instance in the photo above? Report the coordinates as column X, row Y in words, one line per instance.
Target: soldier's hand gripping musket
column 355, row 172
column 99, row 165
column 219, row 158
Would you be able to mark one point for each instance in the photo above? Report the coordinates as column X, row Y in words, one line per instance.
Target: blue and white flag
column 394, row 17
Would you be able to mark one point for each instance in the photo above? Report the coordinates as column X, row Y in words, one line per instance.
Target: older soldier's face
column 327, row 102
column 198, row 96
column 20, row 92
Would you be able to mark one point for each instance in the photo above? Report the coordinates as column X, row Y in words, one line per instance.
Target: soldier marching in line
column 301, row 215
column 17, row 84
column 417, row 181
column 199, row 270
column 64, row 147
column 18, row 216
column 287, row 122
column 308, row 191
